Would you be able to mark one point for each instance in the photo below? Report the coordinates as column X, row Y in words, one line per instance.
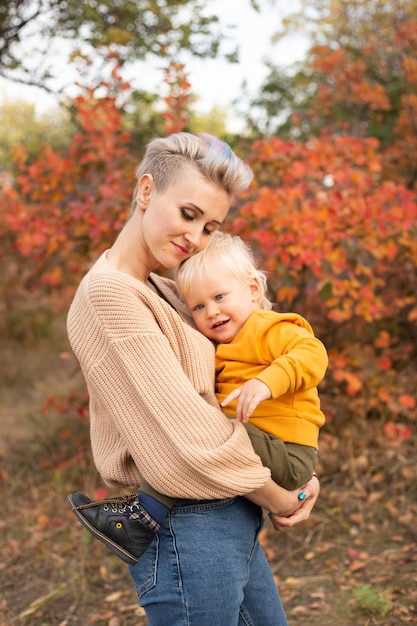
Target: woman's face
column 177, row 222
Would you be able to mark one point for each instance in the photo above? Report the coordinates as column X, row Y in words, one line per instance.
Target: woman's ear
column 145, row 188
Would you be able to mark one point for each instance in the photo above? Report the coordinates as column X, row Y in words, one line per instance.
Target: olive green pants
column 291, row 464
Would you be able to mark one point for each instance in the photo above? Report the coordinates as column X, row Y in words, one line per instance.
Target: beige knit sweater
column 150, row 378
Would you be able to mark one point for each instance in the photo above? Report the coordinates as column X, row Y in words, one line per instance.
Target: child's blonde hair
column 233, row 253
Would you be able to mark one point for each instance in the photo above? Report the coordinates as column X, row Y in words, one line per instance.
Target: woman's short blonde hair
column 235, row 255
column 166, row 159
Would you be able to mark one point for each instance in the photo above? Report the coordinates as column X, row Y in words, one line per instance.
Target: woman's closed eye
column 190, row 216
column 210, row 228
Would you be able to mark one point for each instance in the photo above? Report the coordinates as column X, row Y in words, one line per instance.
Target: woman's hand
column 311, row 490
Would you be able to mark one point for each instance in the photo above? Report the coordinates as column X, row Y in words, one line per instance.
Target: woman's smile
column 183, row 252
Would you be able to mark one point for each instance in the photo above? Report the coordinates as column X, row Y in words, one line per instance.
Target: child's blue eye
column 199, row 307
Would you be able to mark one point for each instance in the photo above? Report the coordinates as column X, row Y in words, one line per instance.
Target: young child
column 268, row 366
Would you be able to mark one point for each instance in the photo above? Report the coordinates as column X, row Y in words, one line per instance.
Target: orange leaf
column 354, row 383
column 383, row 340
column 412, row 316
column 407, row 401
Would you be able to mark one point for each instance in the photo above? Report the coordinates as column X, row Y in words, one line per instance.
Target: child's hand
column 249, row 396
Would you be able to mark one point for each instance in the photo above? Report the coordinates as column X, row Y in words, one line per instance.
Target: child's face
column 220, row 303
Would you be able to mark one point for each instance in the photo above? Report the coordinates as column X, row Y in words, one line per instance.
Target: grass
column 353, row 562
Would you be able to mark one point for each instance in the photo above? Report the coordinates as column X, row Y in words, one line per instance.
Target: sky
column 219, row 83
column 214, row 82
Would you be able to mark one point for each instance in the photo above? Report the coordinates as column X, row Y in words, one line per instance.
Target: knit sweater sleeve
column 153, row 411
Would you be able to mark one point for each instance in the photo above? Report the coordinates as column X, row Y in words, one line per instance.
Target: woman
column 154, row 414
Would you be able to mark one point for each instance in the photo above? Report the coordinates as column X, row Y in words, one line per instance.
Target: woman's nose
column 194, row 237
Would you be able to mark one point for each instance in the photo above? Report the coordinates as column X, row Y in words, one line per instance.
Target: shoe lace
column 116, row 503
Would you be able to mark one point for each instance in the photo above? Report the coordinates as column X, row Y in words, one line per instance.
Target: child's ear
column 255, row 287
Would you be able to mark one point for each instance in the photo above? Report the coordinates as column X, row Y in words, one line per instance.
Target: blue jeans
column 206, row 568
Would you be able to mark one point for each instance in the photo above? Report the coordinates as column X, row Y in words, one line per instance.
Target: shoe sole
column 123, row 554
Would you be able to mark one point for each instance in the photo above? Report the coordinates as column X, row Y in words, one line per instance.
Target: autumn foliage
column 337, row 237
column 364, row 69
column 340, row 245
column 63, row 209
column 176, row 114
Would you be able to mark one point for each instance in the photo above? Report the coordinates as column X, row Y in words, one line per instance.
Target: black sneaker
column 108, row 521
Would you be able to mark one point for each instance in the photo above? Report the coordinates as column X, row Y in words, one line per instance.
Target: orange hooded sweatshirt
column 279, row 349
